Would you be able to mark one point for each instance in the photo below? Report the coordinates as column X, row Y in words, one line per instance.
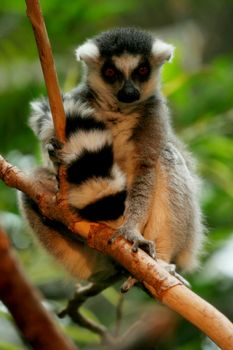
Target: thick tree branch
column 24, row 303
column 158, row 281
column 166, row 288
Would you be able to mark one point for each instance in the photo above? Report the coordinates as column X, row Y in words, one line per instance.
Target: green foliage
column 9, row 339
column 201, row 101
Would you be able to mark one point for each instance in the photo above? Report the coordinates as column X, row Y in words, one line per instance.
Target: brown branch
column 166, row 288
column 46, row 58
column 50, row 76
column 14, row 177
column 24, row 303
column 158, row 281
column 119, row 315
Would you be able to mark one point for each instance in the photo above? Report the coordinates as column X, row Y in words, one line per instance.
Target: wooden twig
column 156, row 279
column 24, row 303
column 47, row 63
column 50, row 76
column 119, row 315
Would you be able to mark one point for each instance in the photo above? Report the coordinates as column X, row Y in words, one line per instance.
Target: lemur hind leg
column 83, row 293
column 171, row 268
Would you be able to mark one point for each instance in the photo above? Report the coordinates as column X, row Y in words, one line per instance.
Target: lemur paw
column 171, row 268
column 137, row 239
column 128, row 284
column 54, row 147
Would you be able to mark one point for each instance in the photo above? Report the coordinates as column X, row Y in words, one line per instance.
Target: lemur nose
column 128, row 93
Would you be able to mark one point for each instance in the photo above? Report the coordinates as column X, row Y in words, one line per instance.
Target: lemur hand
column 134, row 236
column 54, row 150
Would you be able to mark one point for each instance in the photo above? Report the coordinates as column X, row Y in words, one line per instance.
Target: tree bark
column 47, row 63
column 51, row 81
column 24, row 303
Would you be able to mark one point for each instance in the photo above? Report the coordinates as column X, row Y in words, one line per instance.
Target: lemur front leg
column 137, row 211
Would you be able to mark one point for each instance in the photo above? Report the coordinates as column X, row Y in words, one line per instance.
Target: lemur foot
column 137, row 239
column 171, row 268
column 54, row 147
column 128, row 284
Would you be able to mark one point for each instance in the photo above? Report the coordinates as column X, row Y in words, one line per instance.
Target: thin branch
column 47, row 63
column 50, row 76
column 119, row 315
column 24, row 303
column 156, row 279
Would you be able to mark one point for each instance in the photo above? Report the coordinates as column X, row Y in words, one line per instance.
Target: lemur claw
column 137, row 239
column 171, row 268
column 182, row 280
column 149, row 246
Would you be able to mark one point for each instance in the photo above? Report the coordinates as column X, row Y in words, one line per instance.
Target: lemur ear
column 88, row 52
column 162, row 51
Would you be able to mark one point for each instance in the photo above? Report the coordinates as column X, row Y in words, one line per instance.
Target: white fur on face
column 162, row 51
column 126, row 63
column 87, row 52
column 91, row 141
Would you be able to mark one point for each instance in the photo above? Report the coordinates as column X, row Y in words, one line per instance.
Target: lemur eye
column 143, row 71
column 110, row 72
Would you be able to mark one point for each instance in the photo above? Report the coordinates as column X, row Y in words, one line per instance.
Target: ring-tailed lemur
column 122, row 157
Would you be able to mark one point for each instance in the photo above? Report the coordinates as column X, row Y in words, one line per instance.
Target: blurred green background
column 199, row 88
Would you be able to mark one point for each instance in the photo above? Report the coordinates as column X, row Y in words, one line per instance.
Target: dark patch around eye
column 142, row 72
column 110, row 73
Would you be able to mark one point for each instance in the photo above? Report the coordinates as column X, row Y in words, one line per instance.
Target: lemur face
column 123, row 64
column 127, row 75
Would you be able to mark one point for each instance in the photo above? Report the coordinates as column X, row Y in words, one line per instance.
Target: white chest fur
column 122, row 128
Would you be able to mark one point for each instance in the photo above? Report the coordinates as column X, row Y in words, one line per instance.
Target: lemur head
column 123, row 65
